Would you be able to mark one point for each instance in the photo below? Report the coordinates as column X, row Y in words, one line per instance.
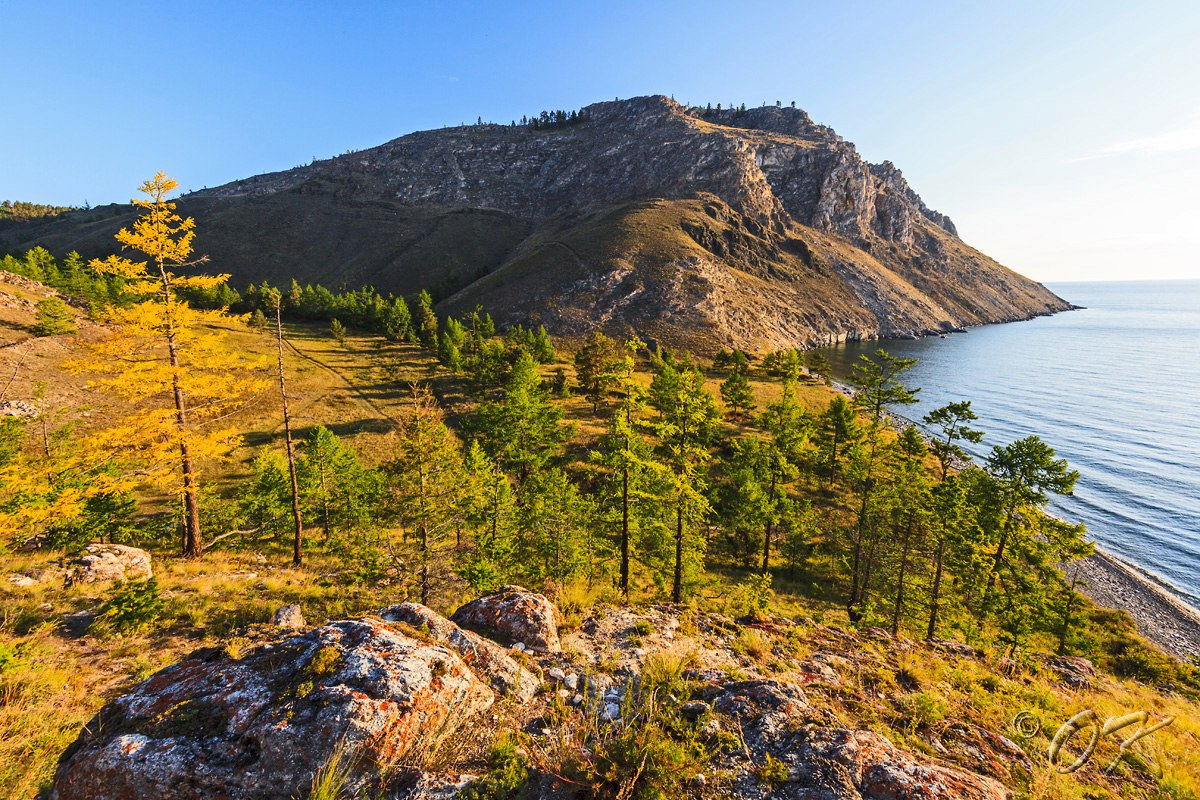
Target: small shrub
column 650, row 755
column 54, row 317
column 133, row 606
column 643, row 627
column 508, row 772
column 751, row 598
column 753, row 643
column 921, row 710
column 663, row 671
column 771, row 771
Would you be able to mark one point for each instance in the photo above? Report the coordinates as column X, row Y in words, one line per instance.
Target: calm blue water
column 1114, row 388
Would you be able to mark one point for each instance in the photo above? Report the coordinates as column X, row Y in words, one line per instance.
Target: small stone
column 102, row 563
column 699, row 780
column 563, row 693
column 289, row 617
column 611, row 712
column 45, row 607
column 577, row 699
column 21, row 580
column 572, row 681
column 695, row 710
column 639, row 652
column 519, row 647
column 557, row 675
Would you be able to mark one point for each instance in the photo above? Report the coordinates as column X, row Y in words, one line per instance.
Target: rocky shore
column 1160, row 616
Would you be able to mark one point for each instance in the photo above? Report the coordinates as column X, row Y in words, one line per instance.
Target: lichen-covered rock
column 987, row 752
column 1075, row 671
column 102, row 563
column 513, row 614
column 258, row 727
column 289, row 616
column 826, row 762
column 879, row 771
column 484, row 657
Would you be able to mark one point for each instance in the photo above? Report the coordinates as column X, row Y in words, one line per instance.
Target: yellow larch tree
column 163, row 348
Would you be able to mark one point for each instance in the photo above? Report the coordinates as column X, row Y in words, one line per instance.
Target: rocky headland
column 697, row 228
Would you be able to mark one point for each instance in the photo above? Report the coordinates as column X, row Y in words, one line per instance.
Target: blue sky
column 1062, row 138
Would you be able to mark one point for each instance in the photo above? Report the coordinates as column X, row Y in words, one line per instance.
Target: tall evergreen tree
column 688, row 420
column 426, row 477
column 424, row 320
column 524, row 429
column 598, row 366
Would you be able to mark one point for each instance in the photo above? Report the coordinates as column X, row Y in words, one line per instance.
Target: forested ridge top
column 700, row 228
column 788, row 534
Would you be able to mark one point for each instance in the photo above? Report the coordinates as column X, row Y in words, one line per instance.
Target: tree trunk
column 768, row 529
column 625, row 528
column 193, row 545
column 677, row 588
column 996, row 561
column 899, row 607
column 324, row 505
column 297, row 541
column 935, row 591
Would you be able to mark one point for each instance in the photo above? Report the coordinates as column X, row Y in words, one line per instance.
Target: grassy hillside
column 62, row 652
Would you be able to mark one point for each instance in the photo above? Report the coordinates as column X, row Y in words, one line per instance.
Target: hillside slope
column 753, row 228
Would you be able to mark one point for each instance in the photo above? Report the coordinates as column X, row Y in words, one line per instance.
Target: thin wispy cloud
column 1179, row 140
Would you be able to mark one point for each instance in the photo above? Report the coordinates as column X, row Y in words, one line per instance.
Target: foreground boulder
column 258, row 727
column 485, row 658
column 881, row 772
column 773, row 718
column 102, row 563
column 512, row 614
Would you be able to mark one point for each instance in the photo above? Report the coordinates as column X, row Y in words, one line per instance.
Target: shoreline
column 1160, row 616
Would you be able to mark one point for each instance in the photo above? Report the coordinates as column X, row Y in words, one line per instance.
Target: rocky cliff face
column 703, row 229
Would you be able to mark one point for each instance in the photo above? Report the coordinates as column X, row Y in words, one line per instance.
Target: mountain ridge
column 703, row 229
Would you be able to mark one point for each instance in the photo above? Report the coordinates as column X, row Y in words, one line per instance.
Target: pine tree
column 598, row 367
column 338, row 331
column 426, row 477
column 636, row 482
column 737, row 395
column 1025, row 474
column 258, row 320
column 424, row 320
column 273, row 301
column 397, row 320
column 491, row 512
column 523, row 430
column 688, row 419
column 836, row 431
column 555, row 523
column 334, row 485
column 818, row 364
column 202, row 375
column 878, row 387
column 54, row 318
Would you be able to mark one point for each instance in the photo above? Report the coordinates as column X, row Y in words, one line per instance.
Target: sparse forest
column 601, row 471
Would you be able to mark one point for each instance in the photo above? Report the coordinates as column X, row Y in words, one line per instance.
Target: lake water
column 1113, row 387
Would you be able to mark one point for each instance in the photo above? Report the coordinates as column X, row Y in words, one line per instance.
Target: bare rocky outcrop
column 773, row 718
column 513, row 614
column 103, row 563
column 880, row 771
column 703, row 229
column 486, row 658
column 259, row 726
